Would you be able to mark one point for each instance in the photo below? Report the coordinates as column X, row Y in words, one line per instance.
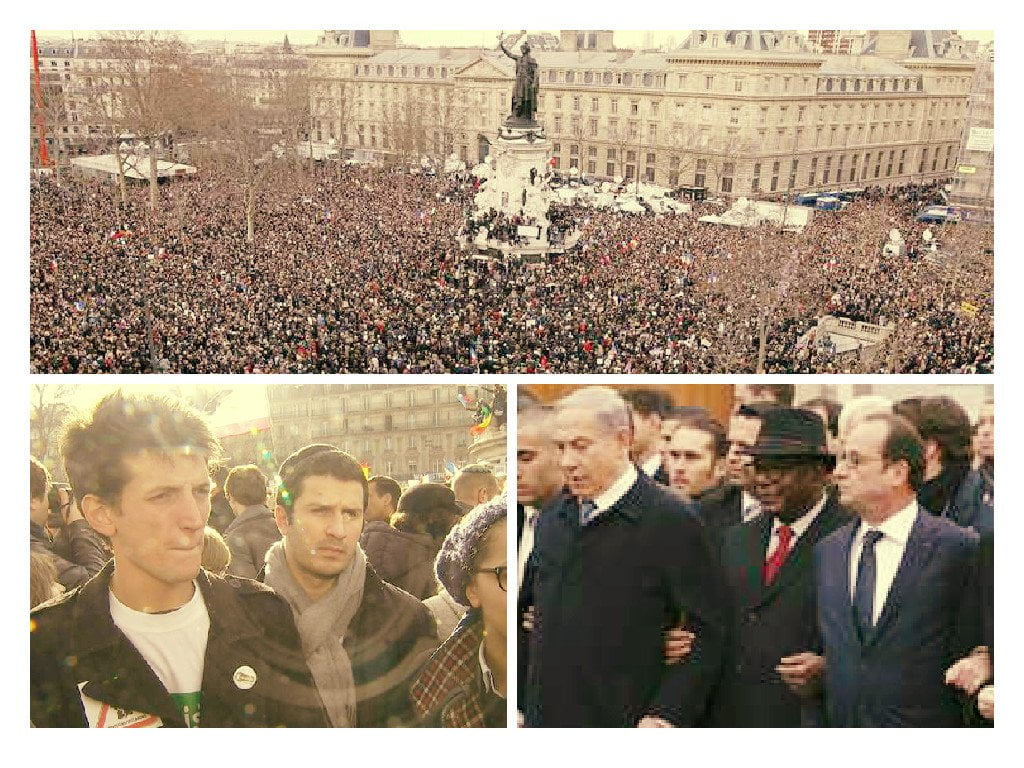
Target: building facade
column 403, row 431
column 973, row 184
column 741, row 112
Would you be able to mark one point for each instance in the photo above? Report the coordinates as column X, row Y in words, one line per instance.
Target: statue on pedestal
column 524, row 95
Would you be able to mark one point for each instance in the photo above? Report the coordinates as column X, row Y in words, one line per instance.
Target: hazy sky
column 485, row 38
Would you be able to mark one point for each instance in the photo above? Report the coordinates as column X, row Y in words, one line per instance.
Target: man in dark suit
column 769, row 568
column 897, row 589
column 648, row 407
column 616, row 562
column 732, row 502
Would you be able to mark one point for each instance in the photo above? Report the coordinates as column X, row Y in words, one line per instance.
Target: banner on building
column 966, row 169
column 980, row 140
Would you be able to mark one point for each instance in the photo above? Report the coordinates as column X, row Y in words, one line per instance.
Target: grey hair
column 858, row 409
column 606, row 405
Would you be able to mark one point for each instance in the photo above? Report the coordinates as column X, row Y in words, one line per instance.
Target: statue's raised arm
column 506, row 51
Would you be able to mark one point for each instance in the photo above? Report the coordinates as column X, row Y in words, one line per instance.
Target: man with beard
column 363, row 638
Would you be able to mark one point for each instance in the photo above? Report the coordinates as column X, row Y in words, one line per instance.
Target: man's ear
column 100, row 514
column 472, row 595
column 281, row 518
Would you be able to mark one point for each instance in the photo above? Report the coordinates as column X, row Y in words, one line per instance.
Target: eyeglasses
column 500, row 572
column 855, row 459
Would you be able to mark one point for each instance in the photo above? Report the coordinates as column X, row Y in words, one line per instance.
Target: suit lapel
column 919, row 548
column 755, row 544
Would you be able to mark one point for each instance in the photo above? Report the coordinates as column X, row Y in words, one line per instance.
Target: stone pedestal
column 519, row 149
column 489, row 449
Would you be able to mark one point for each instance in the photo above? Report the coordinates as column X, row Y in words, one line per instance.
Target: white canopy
column 134, row 167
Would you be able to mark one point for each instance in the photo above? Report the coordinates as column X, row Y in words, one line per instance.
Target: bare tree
column 447, row 116
column 49, row 411
column 149, row 90
column 238, row 148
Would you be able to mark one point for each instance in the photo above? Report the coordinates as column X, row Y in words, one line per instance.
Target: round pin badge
column 245, row 677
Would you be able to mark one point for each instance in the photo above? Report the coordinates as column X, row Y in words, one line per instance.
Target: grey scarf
column 322, row 627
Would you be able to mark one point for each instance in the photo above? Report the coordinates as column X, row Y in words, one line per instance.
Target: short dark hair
column 247, row 485
column 902, row 443
column 317, row 460
column 832, row 410
column 782, row 394
column 943, row 420
column 646, row 401
column 427, row 508
column 94, row 447
column 700, row 419
column 384, row 485
column 38, row 478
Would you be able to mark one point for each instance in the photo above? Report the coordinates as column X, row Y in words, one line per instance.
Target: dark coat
column 660, row 475
column 972, row 506
column 768, row 622
column 249, row 537
column 449, row 691
column 75, row 642
column 78, row 552
column 720, row 508
column 388, row 640
column 896, row 676
column 400, row 558
column 603, row 595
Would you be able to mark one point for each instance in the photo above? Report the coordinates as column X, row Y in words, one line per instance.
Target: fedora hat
column 791, row 433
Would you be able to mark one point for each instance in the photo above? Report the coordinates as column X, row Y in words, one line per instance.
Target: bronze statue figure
column 524, row 96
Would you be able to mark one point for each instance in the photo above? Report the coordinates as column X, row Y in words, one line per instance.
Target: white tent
column 134, row 167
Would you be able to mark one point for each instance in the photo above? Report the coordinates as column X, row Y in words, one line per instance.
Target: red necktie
column 774, row 563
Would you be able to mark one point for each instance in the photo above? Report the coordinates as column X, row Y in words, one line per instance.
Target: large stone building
column 741, row 112
column 74, row 72
column 973, row 185
column 405, row 431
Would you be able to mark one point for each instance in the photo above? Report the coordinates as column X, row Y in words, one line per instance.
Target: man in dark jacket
column 78, row 553
column 616, row 562
column 153, row 640
column 951, row 488
column 769, row 567
column 253, row 530
column 363, row 638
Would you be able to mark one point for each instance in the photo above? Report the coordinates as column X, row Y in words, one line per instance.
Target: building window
column 728, row 169
column 709, row 82
column 827, row 173
column 594, row 104
column 755, row 181
column 775, row 176
column 737, row 85
column 627, row 78
column 570, row 76
column 792, row 172
column 591, row 167
column 634, row 107
column 700, row 173
column 812, row 175
column 576, row 103
column 734, row 115
column 592, row 126
column 903, row 157
column 615, row 106
column 610, row 170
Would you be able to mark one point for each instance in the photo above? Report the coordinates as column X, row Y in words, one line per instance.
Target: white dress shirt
column 888, row 553
column 750, row 507
column 798, row 526
column 652, row 465
column 614, row 492
column 530, row 515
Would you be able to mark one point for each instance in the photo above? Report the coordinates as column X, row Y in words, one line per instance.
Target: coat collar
column 449, row 684
column 116, row 672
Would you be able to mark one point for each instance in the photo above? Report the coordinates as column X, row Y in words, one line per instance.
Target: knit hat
column 454, row 562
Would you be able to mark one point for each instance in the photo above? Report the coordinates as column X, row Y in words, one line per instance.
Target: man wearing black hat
column 769, row 566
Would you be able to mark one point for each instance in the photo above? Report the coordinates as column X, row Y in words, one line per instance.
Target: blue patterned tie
column 587, row 510
column 864, row 595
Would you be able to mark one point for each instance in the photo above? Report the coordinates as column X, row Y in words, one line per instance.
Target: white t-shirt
column 174, row 645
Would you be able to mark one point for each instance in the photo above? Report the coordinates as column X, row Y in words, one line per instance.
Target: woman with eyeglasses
column 463, row 683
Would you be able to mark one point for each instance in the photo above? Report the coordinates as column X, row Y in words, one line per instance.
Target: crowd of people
column 801, row 566
column 357, row 270
column 324, row 599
